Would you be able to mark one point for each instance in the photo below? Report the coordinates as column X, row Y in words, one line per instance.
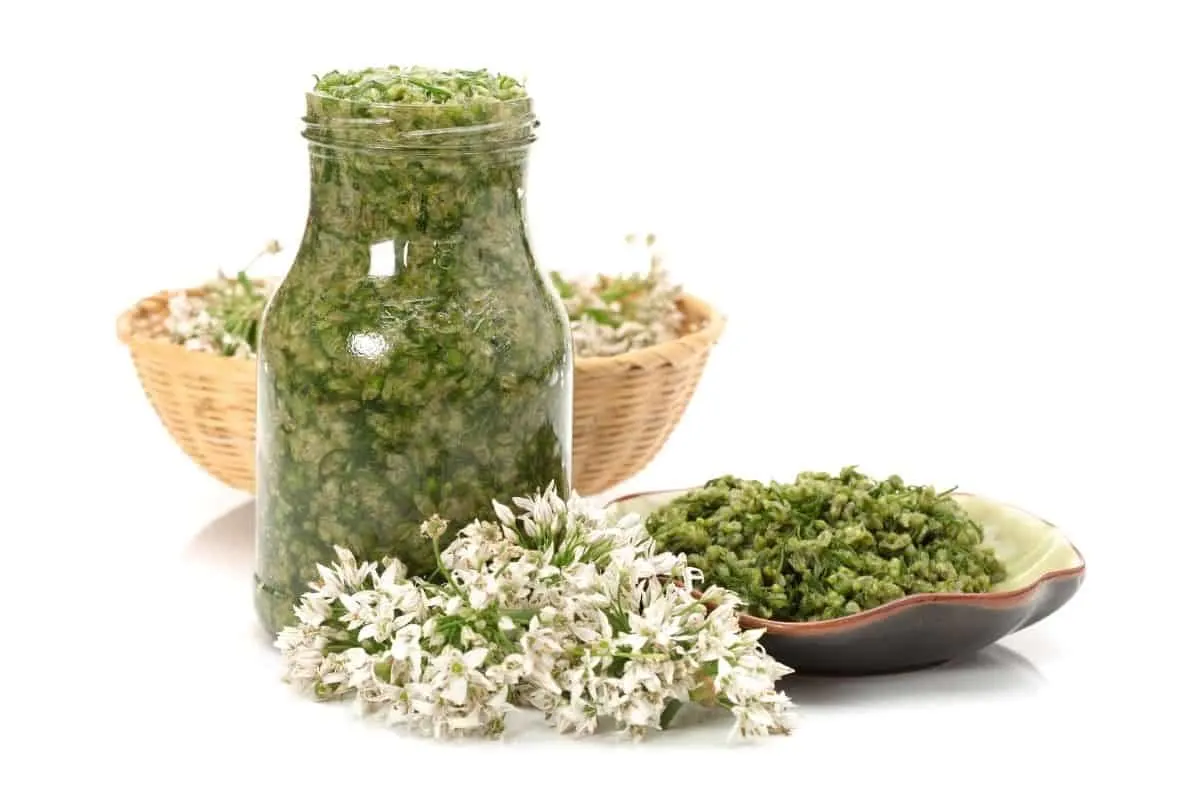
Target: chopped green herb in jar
column 414, row 361
column 825, row 546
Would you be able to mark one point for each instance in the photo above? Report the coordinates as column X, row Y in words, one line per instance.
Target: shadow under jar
column 414, row 361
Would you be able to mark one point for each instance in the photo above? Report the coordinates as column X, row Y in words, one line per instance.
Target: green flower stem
column 451, row 584
column 668, row 715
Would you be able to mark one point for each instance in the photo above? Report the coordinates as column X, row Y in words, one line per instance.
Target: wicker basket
column 625, row 406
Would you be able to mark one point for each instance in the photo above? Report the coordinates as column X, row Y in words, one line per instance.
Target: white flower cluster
column 646, row 316
column 224, row 318
column 564, row 609
column 188, row 323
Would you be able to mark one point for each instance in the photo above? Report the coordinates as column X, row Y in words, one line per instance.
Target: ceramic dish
column 1045, row 570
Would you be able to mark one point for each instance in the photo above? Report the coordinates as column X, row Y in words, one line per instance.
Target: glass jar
column 414, row 361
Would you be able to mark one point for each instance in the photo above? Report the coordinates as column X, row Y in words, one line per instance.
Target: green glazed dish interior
column 1027, row 545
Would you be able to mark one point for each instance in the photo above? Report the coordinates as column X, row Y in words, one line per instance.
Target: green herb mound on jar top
column 418, row 85
column 826, row 546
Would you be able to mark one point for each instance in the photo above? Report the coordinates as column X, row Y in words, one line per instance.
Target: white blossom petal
column 456, row 690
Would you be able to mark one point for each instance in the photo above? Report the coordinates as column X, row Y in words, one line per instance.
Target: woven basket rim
column 702, row 338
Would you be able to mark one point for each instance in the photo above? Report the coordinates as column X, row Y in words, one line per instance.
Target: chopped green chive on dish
column 825, row 546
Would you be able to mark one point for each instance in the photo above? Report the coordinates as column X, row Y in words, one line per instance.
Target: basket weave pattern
column 625, row 406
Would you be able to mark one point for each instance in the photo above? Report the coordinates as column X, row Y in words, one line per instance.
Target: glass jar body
column 413, row 362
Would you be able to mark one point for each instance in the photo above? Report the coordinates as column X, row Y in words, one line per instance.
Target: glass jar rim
column 333, row 101
column 376, row 126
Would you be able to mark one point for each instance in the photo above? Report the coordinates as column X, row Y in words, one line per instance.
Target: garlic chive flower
column 558, row 606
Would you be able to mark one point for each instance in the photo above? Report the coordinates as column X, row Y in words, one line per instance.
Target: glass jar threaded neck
column 474, row 127
column 417, row 173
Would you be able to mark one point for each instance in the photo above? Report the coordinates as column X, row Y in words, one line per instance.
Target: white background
column 954, row 240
